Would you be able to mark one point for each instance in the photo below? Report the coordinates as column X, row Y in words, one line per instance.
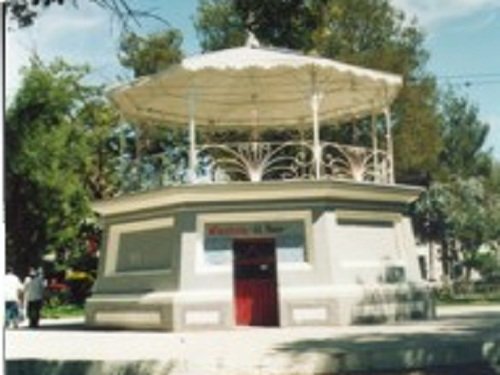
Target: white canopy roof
column 251, row 86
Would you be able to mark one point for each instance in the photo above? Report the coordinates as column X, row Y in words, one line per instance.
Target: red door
column 255, row 287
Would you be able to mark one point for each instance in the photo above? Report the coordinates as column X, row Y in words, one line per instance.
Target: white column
column 375, row 146
column 192, row 140
column 390, row 148
column 431, row 272
column 316, row 140
column 315, row 101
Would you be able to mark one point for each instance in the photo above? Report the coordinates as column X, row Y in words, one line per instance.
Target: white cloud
column 17, row 54
column 79, row 35
column 431, row 13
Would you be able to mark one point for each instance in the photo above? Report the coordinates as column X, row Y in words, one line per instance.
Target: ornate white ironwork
column 355, row 163
column 258, row 161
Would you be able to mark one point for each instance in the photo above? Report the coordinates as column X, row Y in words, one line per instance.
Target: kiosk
column 300, row 231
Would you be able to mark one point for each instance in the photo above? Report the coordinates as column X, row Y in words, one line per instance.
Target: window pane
column 145, row 250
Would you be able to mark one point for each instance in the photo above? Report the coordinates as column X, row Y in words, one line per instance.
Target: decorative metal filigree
column 257, row 161
column 354, row 163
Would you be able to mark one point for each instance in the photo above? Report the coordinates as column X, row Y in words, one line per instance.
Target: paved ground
column 461, row 336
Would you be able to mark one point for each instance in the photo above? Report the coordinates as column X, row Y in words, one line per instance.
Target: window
column 367, row 246
column 145, row 250
column 367, row 240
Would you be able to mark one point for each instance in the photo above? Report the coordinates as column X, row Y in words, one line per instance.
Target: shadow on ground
column 469, row 343
column 63, row 325
column 47, row 367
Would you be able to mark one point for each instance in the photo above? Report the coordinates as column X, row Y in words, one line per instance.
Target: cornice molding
column 271, row 191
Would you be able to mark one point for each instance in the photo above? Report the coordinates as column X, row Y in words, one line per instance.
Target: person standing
column 13, row 290
column 33, row 295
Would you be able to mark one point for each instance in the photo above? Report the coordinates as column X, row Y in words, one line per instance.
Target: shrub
column 80, row 286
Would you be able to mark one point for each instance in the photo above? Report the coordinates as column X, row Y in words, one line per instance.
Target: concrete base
column 343, row 252
column 329, row 306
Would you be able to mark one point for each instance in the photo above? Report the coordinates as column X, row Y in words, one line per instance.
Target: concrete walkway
column 461, row 336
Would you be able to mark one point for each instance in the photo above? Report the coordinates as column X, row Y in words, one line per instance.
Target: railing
column 256, row 161
column 259, row 161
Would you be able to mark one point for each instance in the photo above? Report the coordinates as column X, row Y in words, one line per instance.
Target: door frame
column 274, row 281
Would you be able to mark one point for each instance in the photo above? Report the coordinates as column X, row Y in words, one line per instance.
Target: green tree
column 469, row 218
column 224, row 23
column 48, row 156
column 461, row 216
column 219, row 25
column 468, row 214
column 417, row 139
column 432, row 223
column 151, row 155
column 280, row 22
column 492, row 189
column 463, row 135
column 101, row 122
column 152, row 53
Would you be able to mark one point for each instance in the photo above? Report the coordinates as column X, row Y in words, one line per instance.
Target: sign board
column 289, row 237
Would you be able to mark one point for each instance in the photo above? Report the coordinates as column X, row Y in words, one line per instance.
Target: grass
column 462, row 293
column 469, row 299
column 62, row 311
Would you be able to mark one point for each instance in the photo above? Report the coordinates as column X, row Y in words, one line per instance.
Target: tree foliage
column 417, row 140
column 151, row 155
column 281, row 23
column 463, row 136
column 50, row 149
column 101, row 124
column 152, row 53
column 492, row 190
column 460, row 209
column 462, row 216
column 219, row 25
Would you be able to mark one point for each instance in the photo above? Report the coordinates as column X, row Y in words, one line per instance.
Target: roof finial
column 252, row 41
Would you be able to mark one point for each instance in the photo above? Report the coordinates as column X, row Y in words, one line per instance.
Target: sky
column 463, row 37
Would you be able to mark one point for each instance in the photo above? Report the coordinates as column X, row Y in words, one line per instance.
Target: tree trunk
column 445, row 259
column 432, row 262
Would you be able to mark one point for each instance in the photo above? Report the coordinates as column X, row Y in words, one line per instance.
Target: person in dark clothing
column 33, row 295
